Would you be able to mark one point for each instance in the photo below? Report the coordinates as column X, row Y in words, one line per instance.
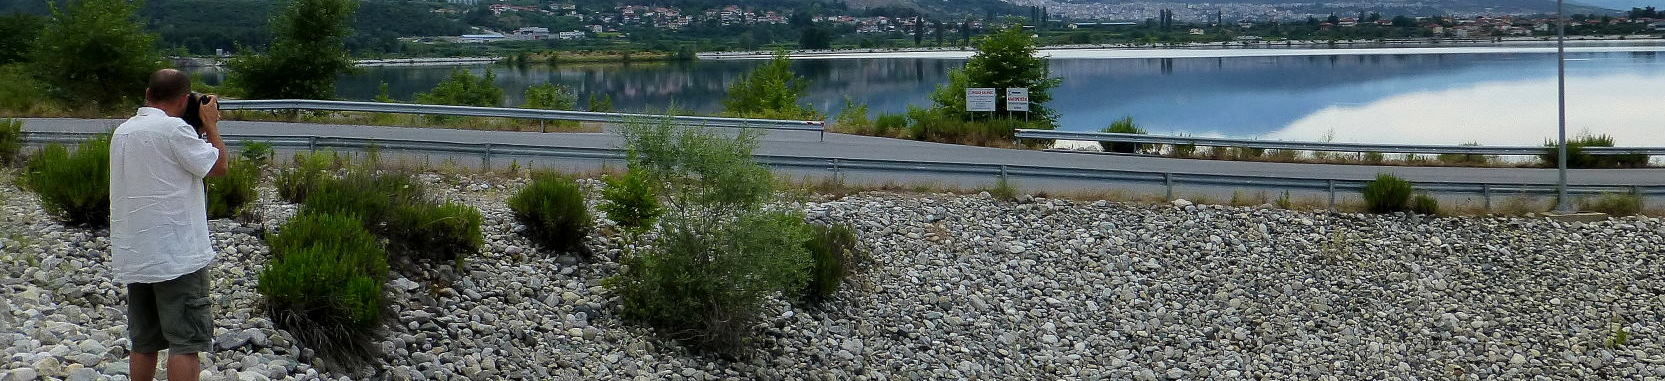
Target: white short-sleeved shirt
column 158, row 210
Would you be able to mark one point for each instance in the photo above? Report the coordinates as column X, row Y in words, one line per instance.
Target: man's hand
column 210, row 113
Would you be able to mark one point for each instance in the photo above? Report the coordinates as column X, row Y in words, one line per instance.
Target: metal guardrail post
column 835, row 168
column 1168, row 181
column 485, row 162
column 1331, row 185
column 312, row 143
column 1486, row 193
column 1002, row 171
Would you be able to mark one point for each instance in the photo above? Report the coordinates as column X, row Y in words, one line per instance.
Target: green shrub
column 436, row 232
column 890, row 124
column 833, row 249
column 95, row 54
column 1184, row 150
column 369, row 197
column 1425, row 204
column 549, row 96
column 1003, row 190
column 603, row 103
column 1576, row 158
column 11, row 142
column 21, row 94
column 1387, row 194
column 719, row 252
column 323, row 284
column 771, row 91
column 229, row 194
column 1373, row 157
column 944, row 127
column 631, row 202
column 73, row 187
column 1123, row 126
column 1614, row 204
column 257, row 153
column 552, row 209
column 464, row 89
column 852, row 119
column 296, row 181
column 1466, row 159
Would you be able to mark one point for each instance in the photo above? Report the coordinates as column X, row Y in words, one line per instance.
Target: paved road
column 807, row 144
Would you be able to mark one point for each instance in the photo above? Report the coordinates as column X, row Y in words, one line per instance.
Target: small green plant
column 442, row 232
column 852, row 119
column 603, row 103
column 1614, row 204
column 297, row 180
column 1284, row 202
column 1619, row 337
column 229, row 194
column 631, row 202
column 73, row 187
column 257, row 153
column 1387, row 194
column 1124, row 125
column 553, row 211
column 323, row 284
column 1425, row 204
column 11, row 142
column 890, row 124
column 1003, row 190
column 833, row 249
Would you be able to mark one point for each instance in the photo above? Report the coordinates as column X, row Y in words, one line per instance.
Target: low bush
column 552, row 209
column 323, row 284
column 631, row 202
column 11, row 142
column 296, row 181
column 937, row 125
column 1576, row 158
column 1387, row 194
column 257, row 153
column 852, row 119
column 1466, row 159
column 1373, row 157
column 890, row 124
column 1425, row 204
column 441, row 232
column 833, row 249
column 1614, row 204
column 1183, row 150
column 719, row 253
column 1003, row 190
column 230, row 193
column 369, row 197
column 74, row 187
column 1124, row 125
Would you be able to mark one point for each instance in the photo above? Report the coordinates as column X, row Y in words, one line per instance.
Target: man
column 159, row 226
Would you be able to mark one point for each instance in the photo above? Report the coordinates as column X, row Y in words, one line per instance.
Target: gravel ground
column 963, row 287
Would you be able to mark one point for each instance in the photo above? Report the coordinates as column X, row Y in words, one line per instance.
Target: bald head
column 167, row 86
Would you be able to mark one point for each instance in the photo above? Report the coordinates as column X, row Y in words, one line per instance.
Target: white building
column 573, row 35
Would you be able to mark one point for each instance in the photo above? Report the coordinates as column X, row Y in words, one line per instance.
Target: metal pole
column 1562, row 204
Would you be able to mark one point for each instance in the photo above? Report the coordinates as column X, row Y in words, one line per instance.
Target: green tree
column 1005, row 59
column 307, row 53
column 815, row 38
column 550, row 96
column 17, row 36
column 771, row 91
column 465, row 89
column 93, row 53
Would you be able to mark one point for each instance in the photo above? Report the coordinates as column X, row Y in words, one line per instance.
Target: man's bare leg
column 141, row 366
column 185, row 367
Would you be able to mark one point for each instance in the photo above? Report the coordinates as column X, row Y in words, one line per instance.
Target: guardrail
column 1322, row 146
column 518, row 113
column 837, row 165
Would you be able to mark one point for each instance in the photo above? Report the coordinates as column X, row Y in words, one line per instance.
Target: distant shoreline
column 1243, row 49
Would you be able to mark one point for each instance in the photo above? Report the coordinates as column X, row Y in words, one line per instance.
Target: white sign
column 981, row 99
column 1017, row 99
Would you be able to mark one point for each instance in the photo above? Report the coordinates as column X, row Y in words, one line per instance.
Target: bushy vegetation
column 833, row 249
column 465, row 89
column 11, row 142
column 74, row 187
column 1387, row 194
column 1614, row 204
column 370, row 197
column 1576, row 158
column 553, row 211
column 297, row 180
column 1124, row 125
column 1425, row 204
column 890, row 124
column 937, row 125
column 719, row 252
column 306, row 55
column 549, row 96
column 1467, row 159
column 324, row 284
column 257, row 153
column 771, row 91
column 438, row 232
column 1004, row 59
column 631, row 202
column 94, row 54
column 852, row 119
column 602, row 103
column 229, row 194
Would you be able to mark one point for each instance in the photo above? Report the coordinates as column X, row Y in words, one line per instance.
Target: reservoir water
column 1430, row 97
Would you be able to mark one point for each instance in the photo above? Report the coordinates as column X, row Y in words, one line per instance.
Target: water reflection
column 1429, row 98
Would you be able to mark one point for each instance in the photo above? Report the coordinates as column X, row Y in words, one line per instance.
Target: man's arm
column 211, row 127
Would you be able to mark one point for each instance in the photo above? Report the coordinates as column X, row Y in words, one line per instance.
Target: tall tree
column 94, row 54
column 918, row 31
column 307, row 53
column 771, row 91
column 815, row 37
column 1004, row 59
column 937, row 25
column 17, row 36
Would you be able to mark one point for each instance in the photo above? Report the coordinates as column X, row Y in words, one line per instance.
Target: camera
column 193, row 109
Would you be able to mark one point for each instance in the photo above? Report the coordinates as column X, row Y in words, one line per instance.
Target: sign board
column 1017, row 99
column 980, row 99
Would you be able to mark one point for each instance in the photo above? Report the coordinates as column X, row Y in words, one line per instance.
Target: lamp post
column 1562, row 205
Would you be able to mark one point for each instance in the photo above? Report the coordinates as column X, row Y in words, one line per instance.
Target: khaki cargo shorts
column 173, row 315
